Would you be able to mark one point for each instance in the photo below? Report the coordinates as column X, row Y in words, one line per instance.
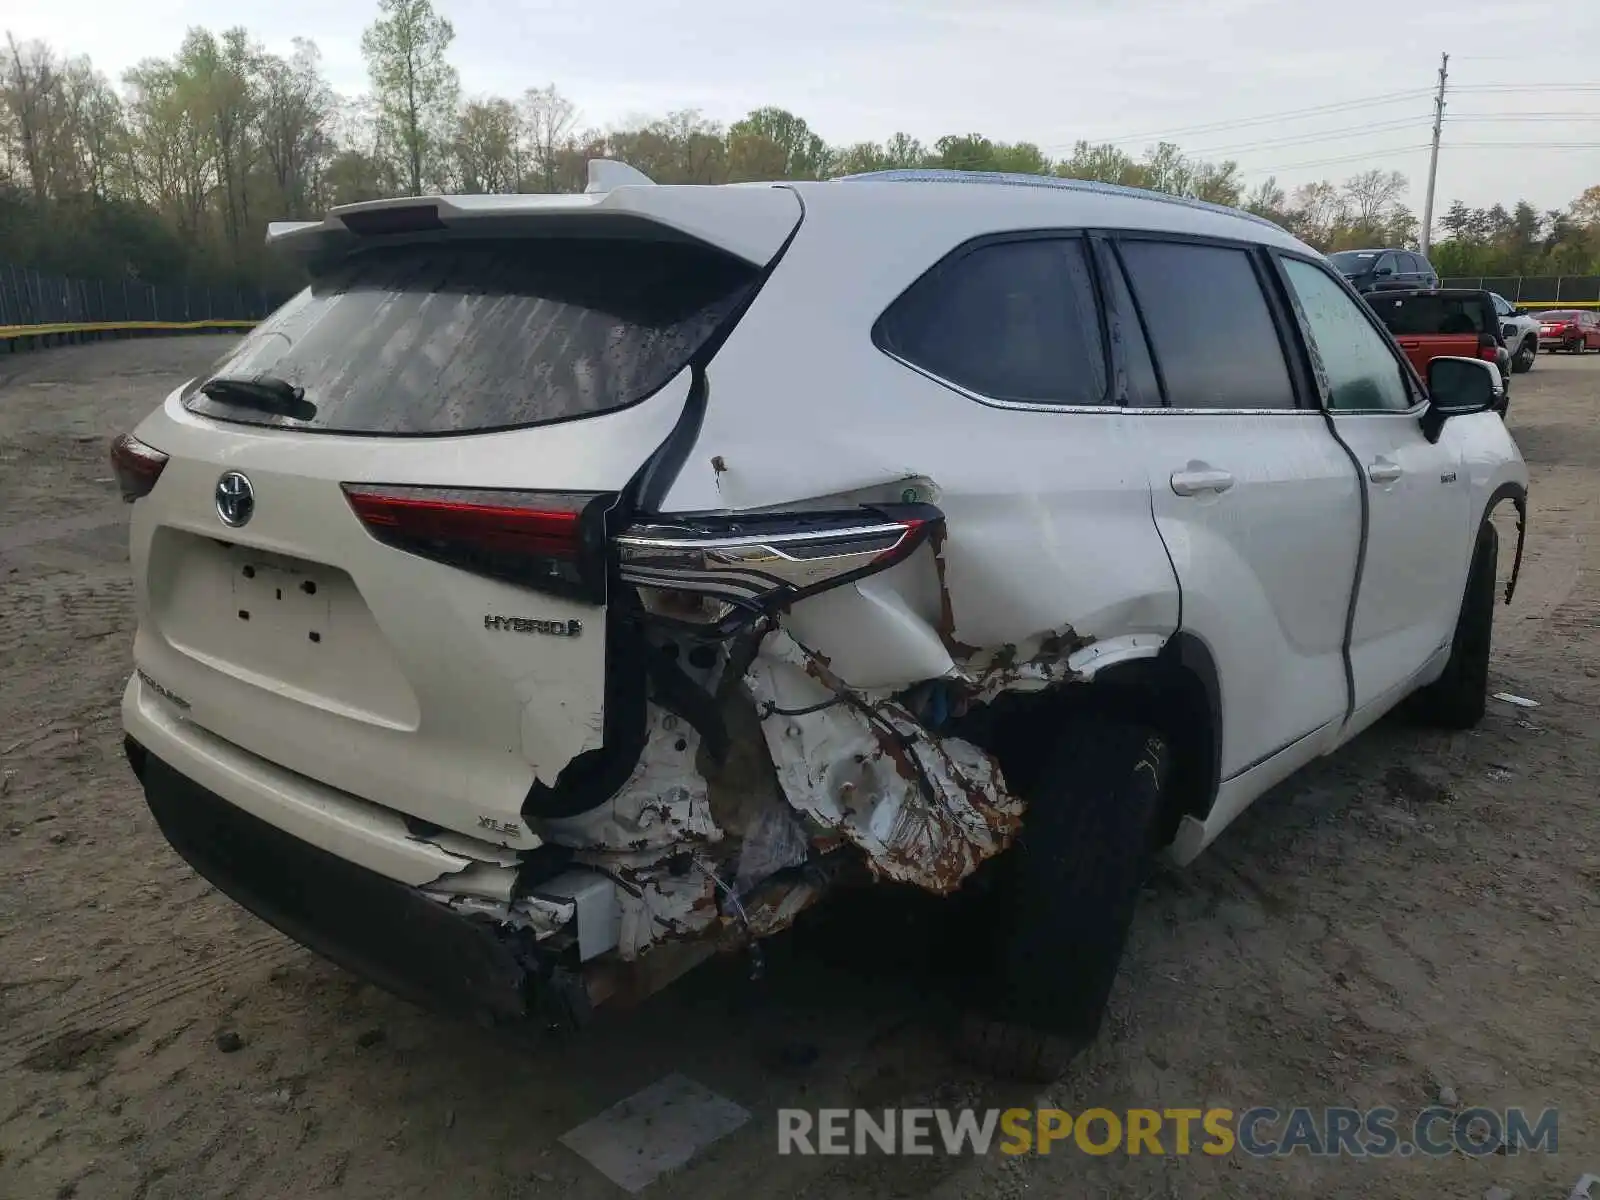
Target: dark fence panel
column 1535, row 291
column 29, row 298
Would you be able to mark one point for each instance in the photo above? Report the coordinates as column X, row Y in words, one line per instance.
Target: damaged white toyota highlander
column 563, row 589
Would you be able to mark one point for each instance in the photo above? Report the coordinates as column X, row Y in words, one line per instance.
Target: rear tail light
column 1488, row 347
column 709, row 573
column 551, row 541
column 136, row 465
column 716, row 573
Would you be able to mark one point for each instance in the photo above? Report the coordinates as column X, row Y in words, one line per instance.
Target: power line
column 1526, row 145
column 1266, row 119
column 1333, row 107
column 1390, row 151
column 1366, row 156
column 1545, row 116
column 1527, row 87
column 1305, row 138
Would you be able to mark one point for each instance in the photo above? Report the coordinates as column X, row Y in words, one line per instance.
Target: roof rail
column 606, row 173
column 1019, row 179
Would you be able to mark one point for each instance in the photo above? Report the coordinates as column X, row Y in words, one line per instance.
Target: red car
column 1569, row 329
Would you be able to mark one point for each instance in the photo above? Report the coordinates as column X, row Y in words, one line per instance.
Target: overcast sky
column 1012, row 69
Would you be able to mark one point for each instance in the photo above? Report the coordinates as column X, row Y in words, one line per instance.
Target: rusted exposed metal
column 924, row 809
column 946, row 628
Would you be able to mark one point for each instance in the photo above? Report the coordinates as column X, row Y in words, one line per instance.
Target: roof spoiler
column 606, row 173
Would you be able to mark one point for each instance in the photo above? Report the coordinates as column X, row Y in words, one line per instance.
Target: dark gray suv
column 1379, row 270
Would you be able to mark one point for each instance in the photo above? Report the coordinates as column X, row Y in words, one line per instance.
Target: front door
column 1418, row 529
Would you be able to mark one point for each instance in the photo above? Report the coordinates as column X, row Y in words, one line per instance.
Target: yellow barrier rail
column 18, row 331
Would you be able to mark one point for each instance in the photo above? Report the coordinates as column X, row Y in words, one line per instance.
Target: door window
column 1363, row 373
column 1211, row 331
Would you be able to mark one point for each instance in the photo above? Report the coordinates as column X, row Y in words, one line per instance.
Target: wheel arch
column 1516, row 492
column 1179, row 692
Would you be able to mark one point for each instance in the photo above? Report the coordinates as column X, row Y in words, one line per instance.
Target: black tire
column 1458, row 698
column 1065, row 898
column 1522, row 360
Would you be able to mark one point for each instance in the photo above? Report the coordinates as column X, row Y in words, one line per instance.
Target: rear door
column 411, row 604
column 1257, row 503
column 1418, row 499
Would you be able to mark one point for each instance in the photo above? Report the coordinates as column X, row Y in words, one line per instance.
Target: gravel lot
column 1415, row 913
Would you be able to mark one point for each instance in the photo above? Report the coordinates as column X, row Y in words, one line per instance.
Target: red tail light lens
column 136, row 466
column 1488, row 348
column 721, row 571
column 552, row 541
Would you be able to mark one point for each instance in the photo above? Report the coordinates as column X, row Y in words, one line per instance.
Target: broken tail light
column 549, row 541
column 718, row 571
column 136, row 466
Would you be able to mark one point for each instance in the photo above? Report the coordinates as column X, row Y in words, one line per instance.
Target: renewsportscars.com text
column 1258, row 1132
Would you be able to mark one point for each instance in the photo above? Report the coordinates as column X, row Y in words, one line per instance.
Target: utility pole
column 1433, row 159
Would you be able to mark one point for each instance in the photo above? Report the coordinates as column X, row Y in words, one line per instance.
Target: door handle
column 1381, row 470
column 1192, row 483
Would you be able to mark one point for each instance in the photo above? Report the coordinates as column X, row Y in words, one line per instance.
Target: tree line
column 171, row 174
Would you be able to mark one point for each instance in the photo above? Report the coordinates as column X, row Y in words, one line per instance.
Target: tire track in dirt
column 134, row 1004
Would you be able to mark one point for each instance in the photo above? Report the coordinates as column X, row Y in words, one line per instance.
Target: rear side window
column 1015, row 321
column 1418, row 316
column 1210, row 328
column 474, row 335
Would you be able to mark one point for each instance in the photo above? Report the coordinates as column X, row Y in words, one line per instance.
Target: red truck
column 1443, row 323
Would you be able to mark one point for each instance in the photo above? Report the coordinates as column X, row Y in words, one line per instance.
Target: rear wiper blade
column 265, row 392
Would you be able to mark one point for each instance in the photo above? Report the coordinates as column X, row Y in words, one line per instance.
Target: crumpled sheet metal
column 663, row 803
column 925, row 809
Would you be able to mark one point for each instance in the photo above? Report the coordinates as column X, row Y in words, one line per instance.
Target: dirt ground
column 1414, row 913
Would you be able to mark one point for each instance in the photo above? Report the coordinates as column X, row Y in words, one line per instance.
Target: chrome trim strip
column 1095, row 409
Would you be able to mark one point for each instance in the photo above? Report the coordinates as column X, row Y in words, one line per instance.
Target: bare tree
column 548, row 119
column 1372, row 194
column 485, row 149
column 31, row 93
column 296, row 126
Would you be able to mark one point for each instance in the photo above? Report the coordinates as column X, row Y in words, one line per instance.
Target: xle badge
column 567, row 629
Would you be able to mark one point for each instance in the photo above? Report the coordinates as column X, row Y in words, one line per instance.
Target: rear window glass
column 475, row 335
column 1418, row 315
column 1013, row 321
column 1558, row 314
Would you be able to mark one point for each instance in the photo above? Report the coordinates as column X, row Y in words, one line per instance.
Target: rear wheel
column 1457, row 699
column 1522, row 361
column 1065, row 899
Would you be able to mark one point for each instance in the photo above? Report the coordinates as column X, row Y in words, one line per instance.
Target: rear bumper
column 376, row 927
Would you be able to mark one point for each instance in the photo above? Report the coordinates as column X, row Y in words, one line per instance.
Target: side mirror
column 1382, row 271
column 1459, row 387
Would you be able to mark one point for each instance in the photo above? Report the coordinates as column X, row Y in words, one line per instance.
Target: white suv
column 1519, row 331
column 562, row 589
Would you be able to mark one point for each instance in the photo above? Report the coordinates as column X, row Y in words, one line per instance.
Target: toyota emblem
column 236, row 499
